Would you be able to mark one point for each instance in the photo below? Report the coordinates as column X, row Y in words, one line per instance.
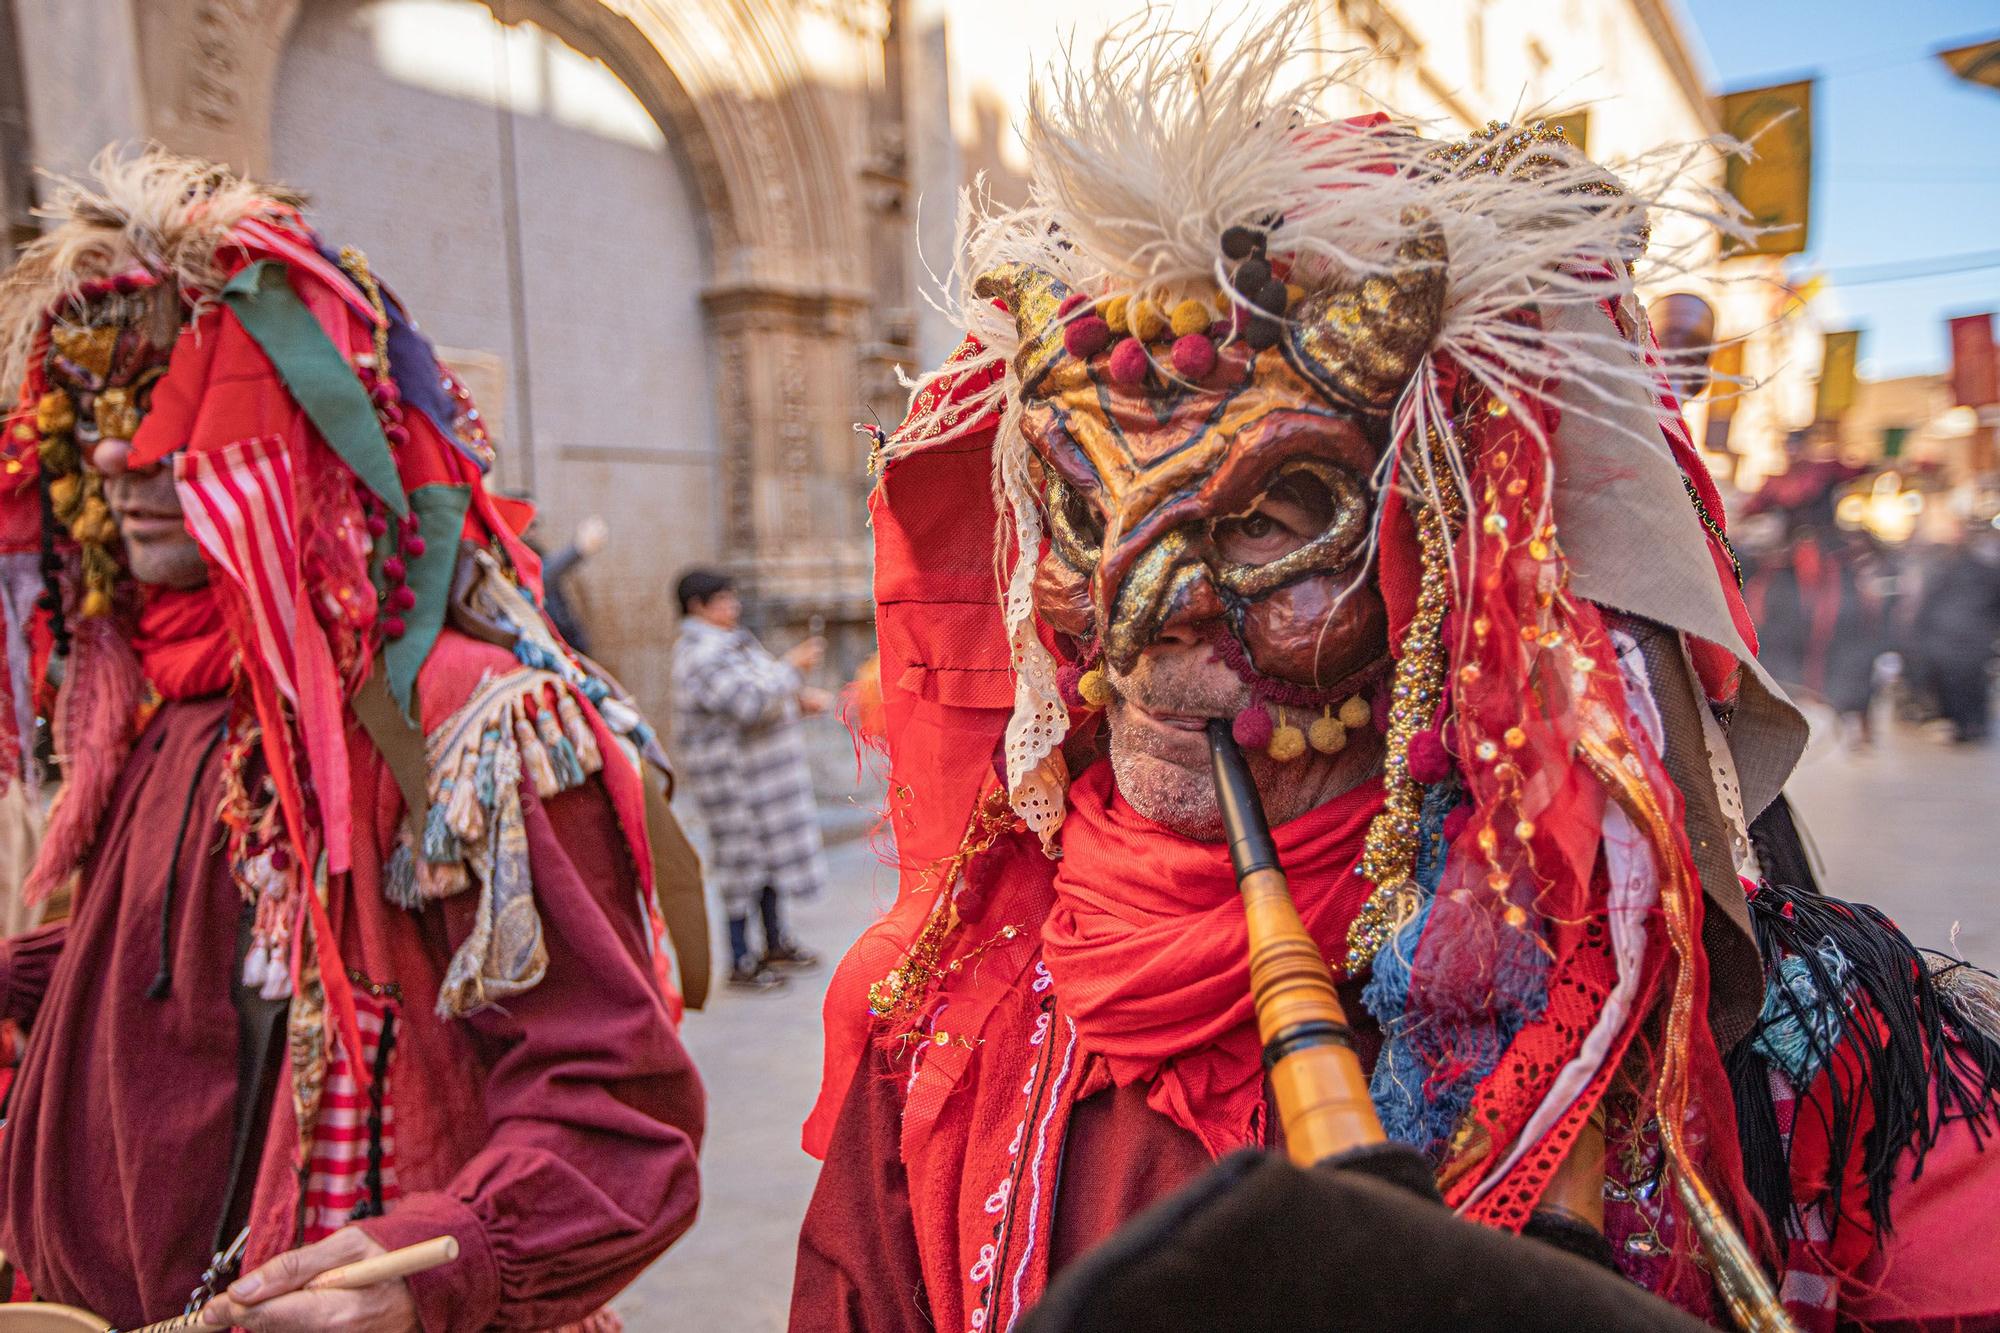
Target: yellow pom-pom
column 1114, row 312
column 96, row 602
column 1355, row 713
column 1094, row 688
column 1190, row 316
column 1145, row 321
column 62, row 492
column 1287, row 744
column 1294, row 293
column 1223, row 304
column 1327, row 735
column 54, row 412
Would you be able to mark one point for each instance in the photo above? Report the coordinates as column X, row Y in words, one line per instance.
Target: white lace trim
column 1037, row 777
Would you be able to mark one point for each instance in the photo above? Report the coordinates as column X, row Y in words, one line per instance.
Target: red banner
column 1975, row 365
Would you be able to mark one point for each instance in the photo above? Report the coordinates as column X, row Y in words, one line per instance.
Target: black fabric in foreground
column 1259, row 1244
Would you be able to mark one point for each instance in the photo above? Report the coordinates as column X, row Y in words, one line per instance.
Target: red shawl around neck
column 183, row 646
column 1146, row 942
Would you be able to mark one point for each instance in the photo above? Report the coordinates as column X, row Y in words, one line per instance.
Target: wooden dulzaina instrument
column 1316, row 1077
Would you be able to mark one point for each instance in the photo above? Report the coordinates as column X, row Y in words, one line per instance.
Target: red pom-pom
column 1071, row 302
column 281, row 860
column 403, row 598
column 1067, row 676
column 377, row 525
column 394, row 627
column 394, row 570
column 1252, row 727
column 1455, row 822
column 1194, row 356
column 1086, row 337
column 398, row 436
column 413, row 546
column 1128, row 361
column 383, row 392
column 1428, row 760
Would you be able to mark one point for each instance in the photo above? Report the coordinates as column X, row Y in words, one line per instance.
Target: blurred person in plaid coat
column 742, row 754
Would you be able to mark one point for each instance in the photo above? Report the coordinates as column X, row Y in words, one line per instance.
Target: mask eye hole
column 1075, row 529
column 1299, row 507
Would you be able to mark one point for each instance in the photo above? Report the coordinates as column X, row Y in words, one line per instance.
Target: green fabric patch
column 318, row 377
column 440, row 513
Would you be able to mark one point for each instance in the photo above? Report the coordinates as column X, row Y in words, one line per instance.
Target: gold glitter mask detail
column 1034, row 297
column 1362, row 344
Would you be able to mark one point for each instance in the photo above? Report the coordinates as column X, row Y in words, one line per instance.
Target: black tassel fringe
column 1922, row 1061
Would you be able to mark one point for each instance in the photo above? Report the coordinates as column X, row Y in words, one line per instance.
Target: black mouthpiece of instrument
column 1250, row 845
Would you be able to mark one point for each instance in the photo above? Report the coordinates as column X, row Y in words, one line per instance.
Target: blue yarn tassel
column 569, row 769
column 1437, row 1050
column 440, row 844
column 399, row 879
column 1798, row 1025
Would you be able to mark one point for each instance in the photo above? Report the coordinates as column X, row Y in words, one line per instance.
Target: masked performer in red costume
column 364, row 948
column 1354, row 438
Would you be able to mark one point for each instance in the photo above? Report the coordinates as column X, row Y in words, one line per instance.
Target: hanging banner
column 1575, row 127
column 1837, row 374
column 1975, row 364
column 1725, row 370
column 1775, row 184
column 1978, row 63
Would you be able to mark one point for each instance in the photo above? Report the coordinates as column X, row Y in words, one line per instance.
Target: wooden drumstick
column 418, row 1258
column 409, row 1260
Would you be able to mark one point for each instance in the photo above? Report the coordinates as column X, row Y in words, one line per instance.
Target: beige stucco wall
column 610, row 406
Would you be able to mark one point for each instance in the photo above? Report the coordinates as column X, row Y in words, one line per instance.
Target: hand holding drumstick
column 346, row 1281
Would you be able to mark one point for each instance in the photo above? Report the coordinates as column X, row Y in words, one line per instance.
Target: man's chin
column 1170, row 794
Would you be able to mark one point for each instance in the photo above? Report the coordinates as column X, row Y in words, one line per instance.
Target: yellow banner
column 1575, row 127
column 1837, row 374
column 1977, row 63
column 1723, row 391
column 1774, row 186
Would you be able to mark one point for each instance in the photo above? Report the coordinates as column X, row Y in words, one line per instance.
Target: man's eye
column 1297, row 509
column 1256, row 526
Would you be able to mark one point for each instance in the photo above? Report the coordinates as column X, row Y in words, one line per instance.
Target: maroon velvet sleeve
column 858, row 1270
column 26, row 963
column 594, row 1106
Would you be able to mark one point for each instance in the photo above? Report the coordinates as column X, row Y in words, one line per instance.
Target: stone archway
column 772, row 150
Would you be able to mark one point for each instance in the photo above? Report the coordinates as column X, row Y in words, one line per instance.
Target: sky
column 1906, row 156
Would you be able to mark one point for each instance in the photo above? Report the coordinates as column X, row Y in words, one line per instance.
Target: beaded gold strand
column 1389, row 854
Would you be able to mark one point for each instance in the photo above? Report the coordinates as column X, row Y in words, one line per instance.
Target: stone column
column 795, row 481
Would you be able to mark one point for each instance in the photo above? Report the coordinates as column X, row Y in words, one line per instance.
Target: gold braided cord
column 1741, row 1281
column 903, row 991
column 356, row 264
column 1389, row 853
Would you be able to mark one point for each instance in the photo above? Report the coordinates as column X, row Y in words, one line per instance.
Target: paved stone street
column 1909, row 825
column 760, row 1058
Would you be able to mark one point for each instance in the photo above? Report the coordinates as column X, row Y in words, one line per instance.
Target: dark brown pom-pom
column 1242, row 242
